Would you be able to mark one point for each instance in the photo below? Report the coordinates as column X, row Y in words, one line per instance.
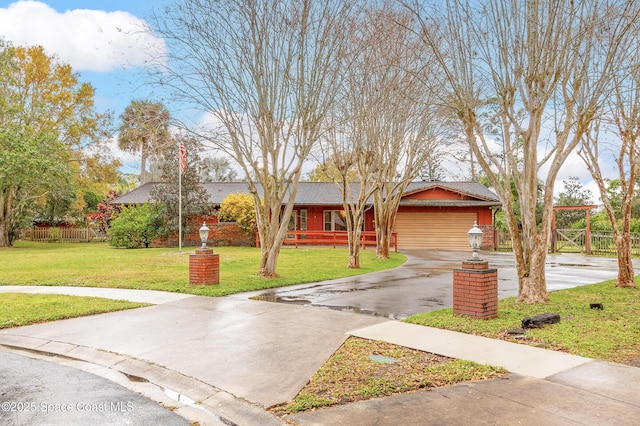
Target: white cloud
column 574, row 166
column 125, row 157
column 90, row 40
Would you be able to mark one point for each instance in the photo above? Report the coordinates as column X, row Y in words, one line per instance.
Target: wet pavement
column 35, row 392
column 425, row 283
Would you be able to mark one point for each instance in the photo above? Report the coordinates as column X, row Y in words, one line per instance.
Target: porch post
column 588, row 236
column 553, row 230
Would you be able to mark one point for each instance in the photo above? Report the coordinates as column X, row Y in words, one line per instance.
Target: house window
column 303, row 220
column 292, row 223
column 297, row 221
column 334, row 220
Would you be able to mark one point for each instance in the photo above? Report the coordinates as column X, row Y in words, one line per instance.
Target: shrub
column 239, row 208
column 106, row 212
column 54, row 233
column 135, row 226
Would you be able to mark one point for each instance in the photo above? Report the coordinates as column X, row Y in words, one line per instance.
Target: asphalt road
column 35, row 392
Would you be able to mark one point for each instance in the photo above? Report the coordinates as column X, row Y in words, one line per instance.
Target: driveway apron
column 259, row 351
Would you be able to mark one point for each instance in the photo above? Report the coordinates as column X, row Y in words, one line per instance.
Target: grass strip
column 351, row 374
column 19, row 309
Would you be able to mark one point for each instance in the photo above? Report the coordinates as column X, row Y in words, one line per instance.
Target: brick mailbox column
column 475, row 290
column 204, row 267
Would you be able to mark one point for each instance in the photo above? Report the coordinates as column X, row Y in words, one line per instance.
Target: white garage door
column 434, row 230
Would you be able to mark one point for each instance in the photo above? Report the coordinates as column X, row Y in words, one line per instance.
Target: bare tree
column 394, row 101
column 351, row 163
column 265, row 72
column 616, row 134
column 536, row 72
column 380, row 129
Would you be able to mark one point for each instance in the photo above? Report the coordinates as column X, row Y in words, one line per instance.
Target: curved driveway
column 425, row 282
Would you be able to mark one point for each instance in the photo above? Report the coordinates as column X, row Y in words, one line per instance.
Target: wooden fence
column 64, row 235
column 575, row 241
column 602, row 242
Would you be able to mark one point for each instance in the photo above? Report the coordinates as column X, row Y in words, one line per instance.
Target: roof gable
column 448, row 191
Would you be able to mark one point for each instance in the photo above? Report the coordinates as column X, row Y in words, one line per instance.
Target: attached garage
column 444, row 231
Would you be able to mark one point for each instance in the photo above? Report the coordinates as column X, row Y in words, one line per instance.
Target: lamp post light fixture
column 475, row 240
column 204, row 265
column 204, row 235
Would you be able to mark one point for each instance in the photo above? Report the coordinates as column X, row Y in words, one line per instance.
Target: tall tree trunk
column 385, row 210
column 382, row 243
column 532, row 279
column 4, row 234
column 382, row 221
column 272, row 223
column 625, row 262
column 268, row 230
column 355, row 220
column 143, row 167
column 354, row 251
column 384, row 229
column 6, row 198
column 269, row 261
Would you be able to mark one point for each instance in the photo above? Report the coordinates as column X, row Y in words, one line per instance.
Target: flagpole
column 179, row 198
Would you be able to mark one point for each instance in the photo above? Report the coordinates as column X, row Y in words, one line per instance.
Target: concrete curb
column 190, row 398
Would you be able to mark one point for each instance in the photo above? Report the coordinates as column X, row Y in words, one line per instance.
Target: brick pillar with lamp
column 204, row 265
column 475, row 285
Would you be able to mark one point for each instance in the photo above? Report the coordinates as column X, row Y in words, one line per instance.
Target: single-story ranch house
column 433, row 215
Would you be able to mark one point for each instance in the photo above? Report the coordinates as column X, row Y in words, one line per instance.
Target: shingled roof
column 328, row 193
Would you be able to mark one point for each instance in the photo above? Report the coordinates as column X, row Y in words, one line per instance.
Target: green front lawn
column 611, row 334
column 100, row 265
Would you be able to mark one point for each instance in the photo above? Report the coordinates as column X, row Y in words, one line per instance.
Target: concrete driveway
column 425, row 283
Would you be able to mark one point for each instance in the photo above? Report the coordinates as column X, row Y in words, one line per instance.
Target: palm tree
column 144, row 129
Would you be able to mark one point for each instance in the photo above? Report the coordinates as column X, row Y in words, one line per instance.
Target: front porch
column 331, row 238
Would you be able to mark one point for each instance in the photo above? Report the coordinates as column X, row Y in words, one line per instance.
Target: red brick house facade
column 432, row 215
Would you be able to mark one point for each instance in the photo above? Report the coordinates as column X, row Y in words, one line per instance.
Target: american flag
column 183, row 158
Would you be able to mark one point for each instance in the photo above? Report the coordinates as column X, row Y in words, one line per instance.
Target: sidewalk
column 516, row 358
column 224, row 360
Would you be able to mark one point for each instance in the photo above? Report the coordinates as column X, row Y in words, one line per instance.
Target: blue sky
column 102, row 41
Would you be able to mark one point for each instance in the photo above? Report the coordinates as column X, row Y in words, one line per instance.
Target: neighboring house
column 433, row 215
